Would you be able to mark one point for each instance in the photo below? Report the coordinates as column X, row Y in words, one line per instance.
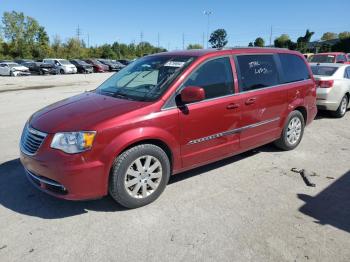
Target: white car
column 13, row 69
column 64, row 66
column 333, row 87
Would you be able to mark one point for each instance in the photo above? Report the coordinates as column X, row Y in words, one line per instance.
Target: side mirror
column 192, row 94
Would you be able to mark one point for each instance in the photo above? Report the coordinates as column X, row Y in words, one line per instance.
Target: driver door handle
column 232, row 106
column 250, row 101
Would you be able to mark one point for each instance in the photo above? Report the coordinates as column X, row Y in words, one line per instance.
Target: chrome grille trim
column 31, row 140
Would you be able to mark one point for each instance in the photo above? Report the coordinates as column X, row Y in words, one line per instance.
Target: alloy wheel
column 294, row 130
column 143, row 176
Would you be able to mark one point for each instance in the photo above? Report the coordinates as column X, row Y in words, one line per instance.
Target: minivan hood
column 81, row 112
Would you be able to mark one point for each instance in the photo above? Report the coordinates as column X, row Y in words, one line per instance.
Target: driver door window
column 214, row 76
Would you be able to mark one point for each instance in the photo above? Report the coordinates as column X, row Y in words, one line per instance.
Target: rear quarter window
column 256, row 71
column 293, row 68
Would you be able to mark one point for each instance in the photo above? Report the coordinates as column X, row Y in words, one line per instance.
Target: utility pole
column 79, row 33
column 183, row 41
column 158, row 40
column 208, row 13
column 203, row 40
column 271, row 36
column 88, row 36
column 141, row 37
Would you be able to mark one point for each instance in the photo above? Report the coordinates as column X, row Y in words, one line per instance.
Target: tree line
column 23, row 37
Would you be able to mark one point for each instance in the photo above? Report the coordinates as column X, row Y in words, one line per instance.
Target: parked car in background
column 333, row 82
column 98, row 66
column 22, row 61
column 13, row 69
column 40, row 68
column 82, row 66
column 124, row 61
column 65, row 67
column 331, row 57
column 112, row 66
column 348, row 55
column 165, row 114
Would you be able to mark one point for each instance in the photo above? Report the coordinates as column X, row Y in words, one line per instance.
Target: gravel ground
column 250, row 207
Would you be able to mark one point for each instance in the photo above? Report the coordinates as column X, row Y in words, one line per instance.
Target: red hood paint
column 81, row 112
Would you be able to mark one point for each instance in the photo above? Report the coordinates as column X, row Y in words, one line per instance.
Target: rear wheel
column 139, row 175
column 343, row 106
column 292, row 132
column 62, row 72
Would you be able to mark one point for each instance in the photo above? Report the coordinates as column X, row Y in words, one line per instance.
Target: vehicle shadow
column 331, row 206
column 18, row 194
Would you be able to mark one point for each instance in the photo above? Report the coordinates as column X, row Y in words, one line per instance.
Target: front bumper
column 70, row 177
column 70, row 70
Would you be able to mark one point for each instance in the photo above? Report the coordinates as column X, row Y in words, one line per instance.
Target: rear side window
column 347, row 72
column 214, row 76
column 341, row 58
column 257, row 71
column 293, row 68
column 323, row 70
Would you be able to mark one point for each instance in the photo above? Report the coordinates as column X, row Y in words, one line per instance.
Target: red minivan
column 164, row 114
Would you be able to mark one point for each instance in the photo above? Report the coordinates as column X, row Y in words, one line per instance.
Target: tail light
column 325, row 83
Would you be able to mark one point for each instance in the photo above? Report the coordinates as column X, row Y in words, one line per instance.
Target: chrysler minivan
column 164, row 114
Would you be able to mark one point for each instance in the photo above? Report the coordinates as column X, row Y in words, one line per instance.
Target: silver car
column 333, row 87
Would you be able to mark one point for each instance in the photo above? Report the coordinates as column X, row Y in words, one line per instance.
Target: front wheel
column 139, row 175
column 343, row 106
column 292, row 132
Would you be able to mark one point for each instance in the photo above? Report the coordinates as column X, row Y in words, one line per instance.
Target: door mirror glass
column 192, row 94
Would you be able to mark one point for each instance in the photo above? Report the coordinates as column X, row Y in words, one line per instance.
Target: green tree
column 20, row 31
column 344, row 35
column 194, row 46
column 107, row 52
column 73, row 49
column 250, row 44
column 329, row 36
column 42, row 46
column 259, row 42
column 218, row 39
column 57, row 47
column 342, row 46
column 303, row 41
column 283, row 41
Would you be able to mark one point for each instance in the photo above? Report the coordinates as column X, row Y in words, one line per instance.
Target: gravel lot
column 246, row 208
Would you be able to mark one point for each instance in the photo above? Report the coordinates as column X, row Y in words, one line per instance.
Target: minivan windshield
column 146, row 79
column 322, row 59
column 323, row 70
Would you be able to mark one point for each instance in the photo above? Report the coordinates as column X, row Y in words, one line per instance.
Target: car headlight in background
column 73, row 142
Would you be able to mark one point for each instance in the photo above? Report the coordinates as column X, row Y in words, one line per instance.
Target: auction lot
column 250, row 207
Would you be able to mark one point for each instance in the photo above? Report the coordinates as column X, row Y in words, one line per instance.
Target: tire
column 143, row 187
column 343, row 106
column 291, row 136
column 62, row 72
column 11, row 73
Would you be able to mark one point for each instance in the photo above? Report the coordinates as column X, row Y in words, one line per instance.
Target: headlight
column 73, row 142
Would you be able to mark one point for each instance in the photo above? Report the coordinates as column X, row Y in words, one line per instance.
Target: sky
column 178, row 22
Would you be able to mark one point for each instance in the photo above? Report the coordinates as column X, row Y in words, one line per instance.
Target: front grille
column 31, row 140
